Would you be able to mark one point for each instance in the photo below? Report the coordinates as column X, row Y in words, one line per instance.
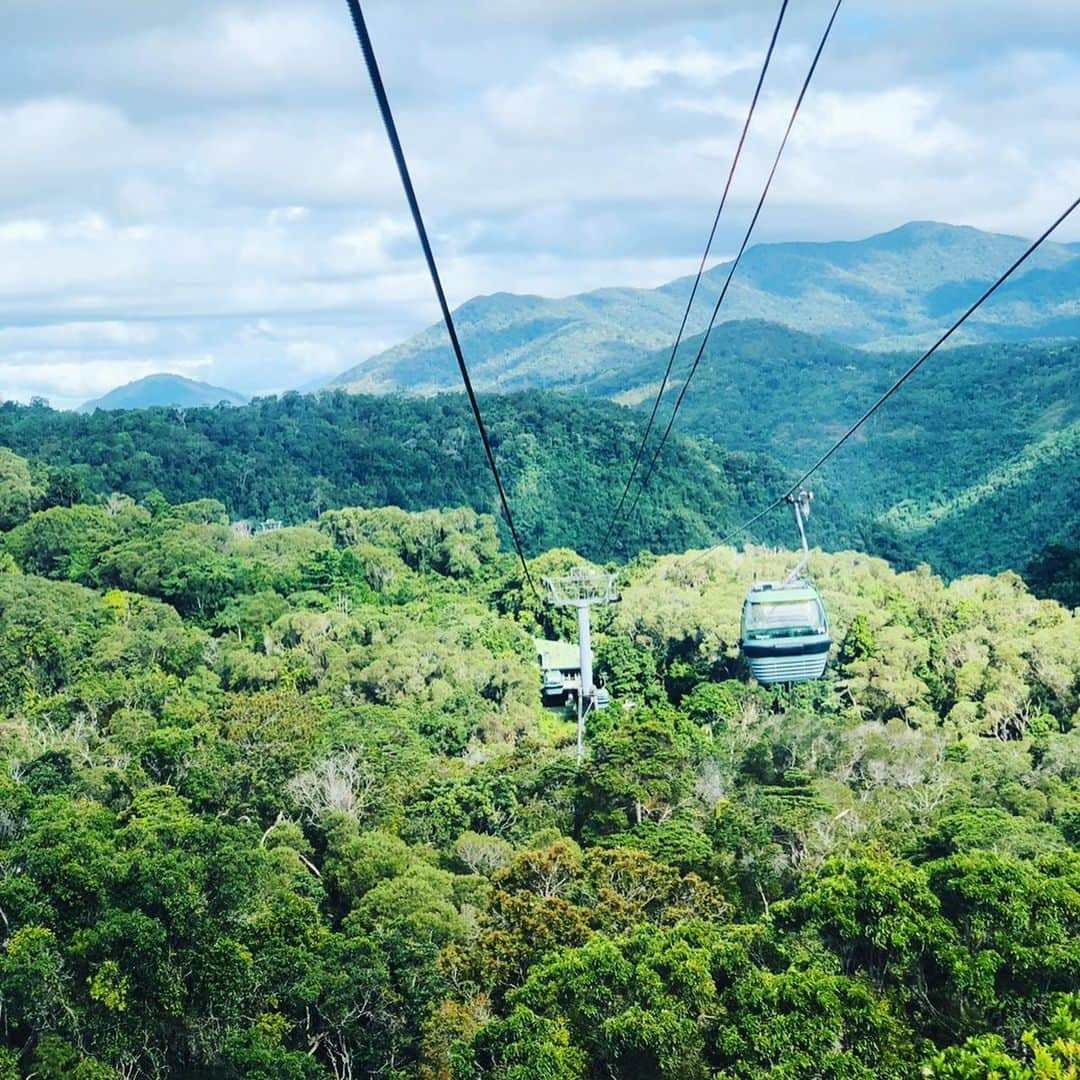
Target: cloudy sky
column 204, row 187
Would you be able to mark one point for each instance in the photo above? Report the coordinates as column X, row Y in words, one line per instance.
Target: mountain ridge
column 896, row 289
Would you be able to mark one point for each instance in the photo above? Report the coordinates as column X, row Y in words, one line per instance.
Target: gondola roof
column 777, row 592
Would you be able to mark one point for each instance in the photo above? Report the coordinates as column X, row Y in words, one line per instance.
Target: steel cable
column 734, row 266
column 697, row 280
column 410, row 194
column 1032, row 248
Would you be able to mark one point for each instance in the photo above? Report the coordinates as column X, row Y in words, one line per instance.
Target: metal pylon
column 581, row 589
column 800, row 507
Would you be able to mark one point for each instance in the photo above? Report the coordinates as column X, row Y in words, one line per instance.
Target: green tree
column 17, row 489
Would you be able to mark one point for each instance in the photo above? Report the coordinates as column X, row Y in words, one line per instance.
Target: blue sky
column 205, row 187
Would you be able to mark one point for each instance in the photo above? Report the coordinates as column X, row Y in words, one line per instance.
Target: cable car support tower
column 581, row 589
column 800, row 505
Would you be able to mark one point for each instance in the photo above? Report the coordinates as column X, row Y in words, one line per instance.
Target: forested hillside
column 293, row 457
column 287, row 807
column 974, row 464
column 899, row 289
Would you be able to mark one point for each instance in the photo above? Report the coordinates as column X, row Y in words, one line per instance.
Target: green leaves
column 312, row 821
column 17, row 489
column 879, row 917
column 692, row 1002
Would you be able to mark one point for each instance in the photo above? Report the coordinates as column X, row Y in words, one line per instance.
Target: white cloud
column 610, row 67
column 368, row 249
column 315, row 358
column 909, row 119
column 80, row 335
column 67, row 383
column 235, row 52
column 282, row 216
column 210, row 180
column 51, row 145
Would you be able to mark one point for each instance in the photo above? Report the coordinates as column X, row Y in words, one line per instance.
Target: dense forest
column 972, row 467
column 286, row 805
column 292, row 457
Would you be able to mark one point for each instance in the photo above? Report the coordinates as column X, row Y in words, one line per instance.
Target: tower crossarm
column 581, row 588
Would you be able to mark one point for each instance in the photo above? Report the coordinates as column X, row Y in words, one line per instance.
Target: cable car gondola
column 785, row 633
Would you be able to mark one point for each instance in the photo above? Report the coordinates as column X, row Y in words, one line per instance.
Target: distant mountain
column 164, row 389
column 898, row 289
column 522, row 342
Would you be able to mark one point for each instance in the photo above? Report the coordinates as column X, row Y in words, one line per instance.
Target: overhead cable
column 697, row 280
column 410, row 194
column 735, row 264
column 1032, row 248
